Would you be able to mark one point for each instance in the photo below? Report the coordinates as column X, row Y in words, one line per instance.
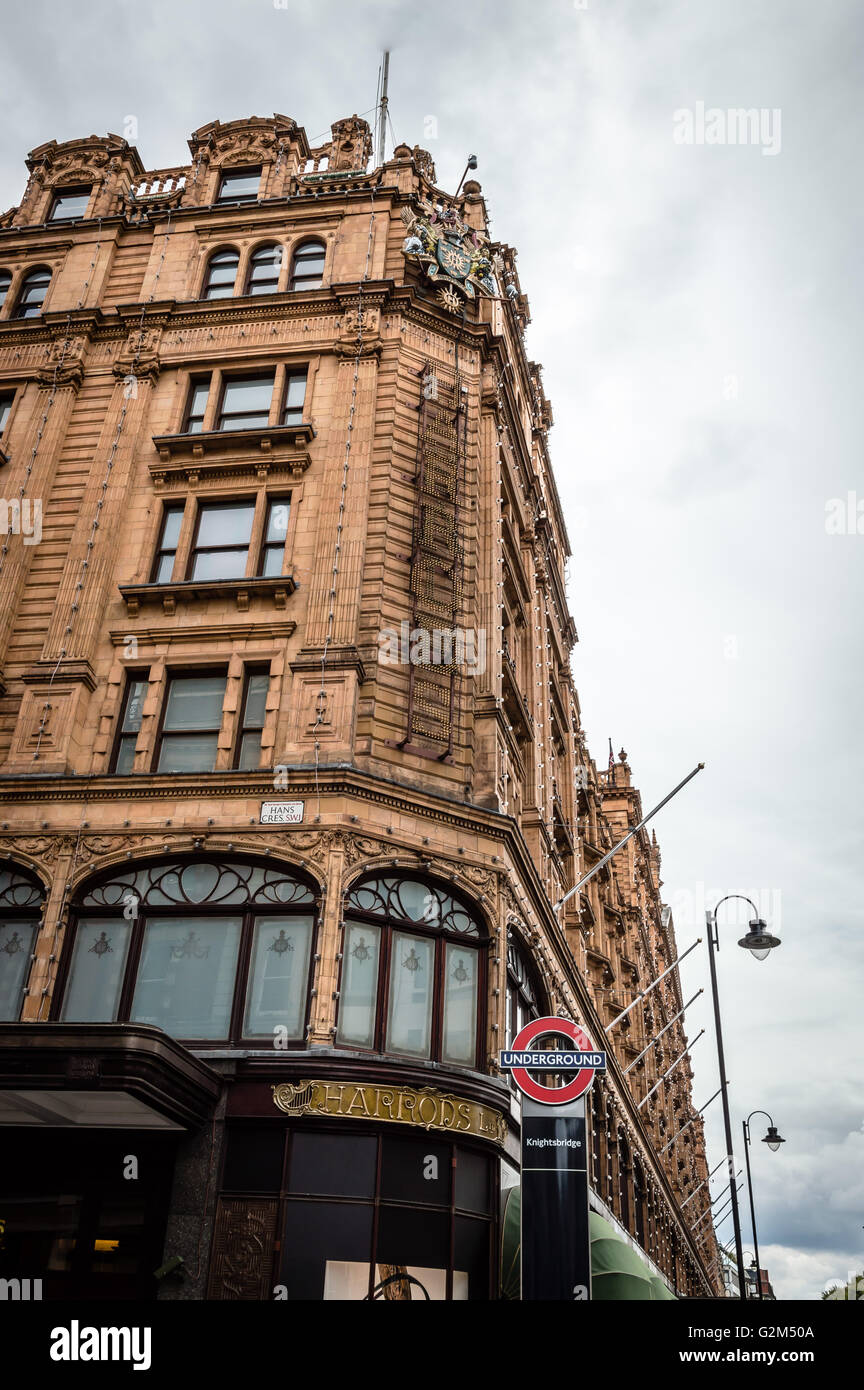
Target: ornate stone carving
column 351, row 144
column 455, row 257
column 138, row 358
column 424, row 163
column 64, row 362
column 359, row 330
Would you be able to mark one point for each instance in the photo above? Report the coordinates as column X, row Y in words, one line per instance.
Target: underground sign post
column 556, row 1250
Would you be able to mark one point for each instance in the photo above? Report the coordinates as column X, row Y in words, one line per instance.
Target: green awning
column 618, row 1272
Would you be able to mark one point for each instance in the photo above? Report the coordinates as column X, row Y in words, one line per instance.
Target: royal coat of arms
column 454, row 256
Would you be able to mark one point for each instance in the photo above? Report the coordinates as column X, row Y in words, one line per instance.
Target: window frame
column 9, row 398
column 251, row 267
column 6, row 276
column 32, row 274
column 252, row 669
column 168, row 507
column 72, row 191
column 207, row 285
column 135, row 674
column 215, row 503
column 297, row 283
column 271, row 500
column 29, row 913
column 180, row 673
column 440, row 938
column 248, row 911
column 196, row 380
column 227, row 379
column 236, row 172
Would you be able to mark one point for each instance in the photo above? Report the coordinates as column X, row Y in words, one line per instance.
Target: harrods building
column 291, row 761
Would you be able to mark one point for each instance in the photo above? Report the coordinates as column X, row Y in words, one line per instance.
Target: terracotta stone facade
column 419, row 496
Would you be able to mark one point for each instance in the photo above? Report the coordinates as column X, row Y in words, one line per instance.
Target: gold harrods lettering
column 426, row 1108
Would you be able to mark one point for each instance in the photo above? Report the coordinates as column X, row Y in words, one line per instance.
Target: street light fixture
column 773, row 1140
column 758, row 942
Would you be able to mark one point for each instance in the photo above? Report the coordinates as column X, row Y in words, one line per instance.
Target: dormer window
column 69, row 204
column 240, row 186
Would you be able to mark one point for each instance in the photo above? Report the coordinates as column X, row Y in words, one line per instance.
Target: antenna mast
column 382, row 110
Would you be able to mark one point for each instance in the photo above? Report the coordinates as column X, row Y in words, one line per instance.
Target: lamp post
column 759, row 942
column 773, row 1140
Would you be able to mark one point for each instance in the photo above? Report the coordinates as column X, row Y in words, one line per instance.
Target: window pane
column 409, row 1010
column 219, row 564
column 164, row 568
column 134, row 705
column 96, row 973
column 186, row 976
column 125, row 755
column 247, row 395
column 228, row 523
column 188, row 753
column 5, row 401
column 278, row 977
column 254, row 1161
column 171, row 528
column 472, row 1181
column 17, row 940
column 243, row 186
column 256, row 699
column 277, row 521
column 323, row 1244
column 249, row 756
column 5, row 282
column 416, row 1171
column 197, row 404
column 295, row 392
column 359, row 985
column 460, row 1005
column 329, row 1165
column 69, row 205
column 195, row 702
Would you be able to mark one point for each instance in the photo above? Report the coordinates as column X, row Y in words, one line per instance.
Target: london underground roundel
column 584, row 1059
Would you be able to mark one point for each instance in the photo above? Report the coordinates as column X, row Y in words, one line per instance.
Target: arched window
column 524, row 995
column 221, row 274
column 204, row 948
column 307, row 271
column 5, row 282
column 31, row 295
column 412, row 971
column 21, row 899
column 264, row 267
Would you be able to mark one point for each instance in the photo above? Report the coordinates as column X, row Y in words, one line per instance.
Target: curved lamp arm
column 729, row 897
column 768, row 1117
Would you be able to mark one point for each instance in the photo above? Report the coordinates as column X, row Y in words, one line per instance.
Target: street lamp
column 758, row 942
column 773, row 1140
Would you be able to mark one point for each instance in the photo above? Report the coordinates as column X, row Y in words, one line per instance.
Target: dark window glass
column 221, row 274
column 69, row 203
column 472, row 1181
column 6, row 399
column 5, row 282
column 471, row 1259
column 326, row 1250
column 307, row 272
column 32, row 294
column 254, row 1159
column 199, row 391
column 193, row 718
column 264, row 268
column 130, row 724
column 240, row 186
column 166, row 551
column 252, row 722
column 273, row 547
column 246, row 402
column 418, row 1239
column 322, row 1165
column 295, row 396
column 416, row 1172
column 222, row 544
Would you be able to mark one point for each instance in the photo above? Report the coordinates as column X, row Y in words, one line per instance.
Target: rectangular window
column 221, row 546
column 166, row 551
column 246, row 402
column 409, row 1007
column 193, row 718
column 240, row 186
column 295, row 396
column 17, row 941
column 6, row 399
column 278, row 977
column 185, row 981
column 69, row 203
column 96, row 970
column 273, row 545
column 199, row 391
column 130, row 724
column 359, row 989
column 253, row 710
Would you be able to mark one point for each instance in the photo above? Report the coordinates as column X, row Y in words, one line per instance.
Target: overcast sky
column 697, row 309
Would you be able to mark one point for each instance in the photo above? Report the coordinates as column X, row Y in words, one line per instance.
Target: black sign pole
column 556, row 1247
